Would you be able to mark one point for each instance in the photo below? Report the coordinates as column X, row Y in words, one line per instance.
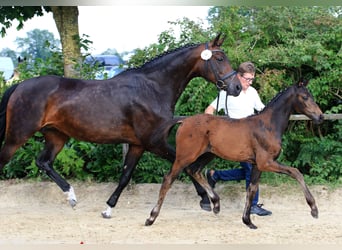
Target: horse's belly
column 99, row 133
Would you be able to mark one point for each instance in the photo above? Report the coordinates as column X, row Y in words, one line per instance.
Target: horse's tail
column 3, row 108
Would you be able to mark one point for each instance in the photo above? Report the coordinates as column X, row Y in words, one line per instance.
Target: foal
column 255, row 139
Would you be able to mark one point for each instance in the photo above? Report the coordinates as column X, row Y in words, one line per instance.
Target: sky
column 123, row 28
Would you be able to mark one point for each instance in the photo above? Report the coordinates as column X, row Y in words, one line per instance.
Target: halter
column 207, row 55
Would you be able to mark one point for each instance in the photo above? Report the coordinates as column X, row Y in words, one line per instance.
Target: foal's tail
column 3, row 108
column 165, row 129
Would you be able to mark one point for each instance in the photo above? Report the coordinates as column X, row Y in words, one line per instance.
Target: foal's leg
column 166, row 185
column 54, row 142
column 296, row 174
column 167, row 152
column 131, row 160
column 251, row 191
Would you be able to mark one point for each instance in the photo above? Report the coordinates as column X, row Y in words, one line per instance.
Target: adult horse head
column 124, row 109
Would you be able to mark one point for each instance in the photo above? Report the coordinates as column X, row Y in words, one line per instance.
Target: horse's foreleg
column 251, row 191
column 132, row 157
column 166, row 185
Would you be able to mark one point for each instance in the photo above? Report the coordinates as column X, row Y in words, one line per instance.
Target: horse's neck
column 279, row 114
column 176, row 73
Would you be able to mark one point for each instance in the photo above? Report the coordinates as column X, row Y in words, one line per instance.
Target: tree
column 286, row 43
column 10, row 53
column 66, row 18
column 37, row 44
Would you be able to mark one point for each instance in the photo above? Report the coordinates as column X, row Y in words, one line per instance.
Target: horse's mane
column 274, row 100
column 156, row 59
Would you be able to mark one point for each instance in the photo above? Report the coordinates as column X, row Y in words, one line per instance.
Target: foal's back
column 231, row 139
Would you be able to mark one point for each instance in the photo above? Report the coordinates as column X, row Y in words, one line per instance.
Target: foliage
column 20, row 13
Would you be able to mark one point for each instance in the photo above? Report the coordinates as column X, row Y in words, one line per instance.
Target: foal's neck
column 280, row 114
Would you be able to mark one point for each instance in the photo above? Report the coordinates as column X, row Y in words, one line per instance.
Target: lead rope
column 218, row 100
column 226, row 104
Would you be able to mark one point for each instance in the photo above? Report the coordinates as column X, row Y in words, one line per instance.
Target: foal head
column 305, row 103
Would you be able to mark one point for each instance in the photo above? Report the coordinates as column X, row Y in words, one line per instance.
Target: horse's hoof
column 72, row 203
column 105, row 215
column 314, row 213
column 205, row 206
column 148, row 222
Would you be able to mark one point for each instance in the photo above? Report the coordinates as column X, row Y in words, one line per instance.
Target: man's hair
column 246, row 67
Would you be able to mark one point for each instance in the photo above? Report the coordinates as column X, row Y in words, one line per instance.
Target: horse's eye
column 220, row 59
column 305, row 97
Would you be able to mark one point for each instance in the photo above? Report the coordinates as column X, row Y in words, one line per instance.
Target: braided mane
column 159, row 57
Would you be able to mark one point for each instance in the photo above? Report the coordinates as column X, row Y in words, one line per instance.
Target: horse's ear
column 303, row 82
column 218, row 41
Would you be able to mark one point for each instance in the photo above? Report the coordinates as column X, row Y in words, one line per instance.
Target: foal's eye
column 305, row 97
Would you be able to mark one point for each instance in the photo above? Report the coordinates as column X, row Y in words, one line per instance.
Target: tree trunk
column 66, row 18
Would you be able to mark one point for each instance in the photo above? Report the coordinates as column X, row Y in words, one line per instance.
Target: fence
column 292, row 117
column 326, row 117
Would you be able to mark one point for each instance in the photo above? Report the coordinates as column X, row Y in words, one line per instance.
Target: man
column 238, row 107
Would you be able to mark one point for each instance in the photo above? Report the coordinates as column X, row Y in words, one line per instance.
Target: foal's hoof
column 149, row 222
column 252, row 226
column 248, row 223
column 216, row 210
column 314, row 213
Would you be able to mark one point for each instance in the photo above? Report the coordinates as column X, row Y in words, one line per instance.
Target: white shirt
column 240, row 106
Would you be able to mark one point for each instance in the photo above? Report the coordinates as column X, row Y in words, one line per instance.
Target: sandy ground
column 38, row 213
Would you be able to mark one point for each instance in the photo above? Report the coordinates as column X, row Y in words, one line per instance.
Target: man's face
column 246, row 80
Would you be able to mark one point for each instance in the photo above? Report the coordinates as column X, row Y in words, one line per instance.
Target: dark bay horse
column 255, row 139
column 125, row 109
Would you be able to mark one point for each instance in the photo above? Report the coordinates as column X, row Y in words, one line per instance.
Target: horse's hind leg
column 7, row 152
column 166, row 185
column 195, row 172
column 132, row 157
column 54, row 142
column 199, row 164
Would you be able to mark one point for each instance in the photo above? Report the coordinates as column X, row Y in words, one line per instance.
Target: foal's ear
column 303, row 82
column 218, row 41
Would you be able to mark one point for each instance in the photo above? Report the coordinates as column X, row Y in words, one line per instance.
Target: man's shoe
column 258, row 210
column 210, row 179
